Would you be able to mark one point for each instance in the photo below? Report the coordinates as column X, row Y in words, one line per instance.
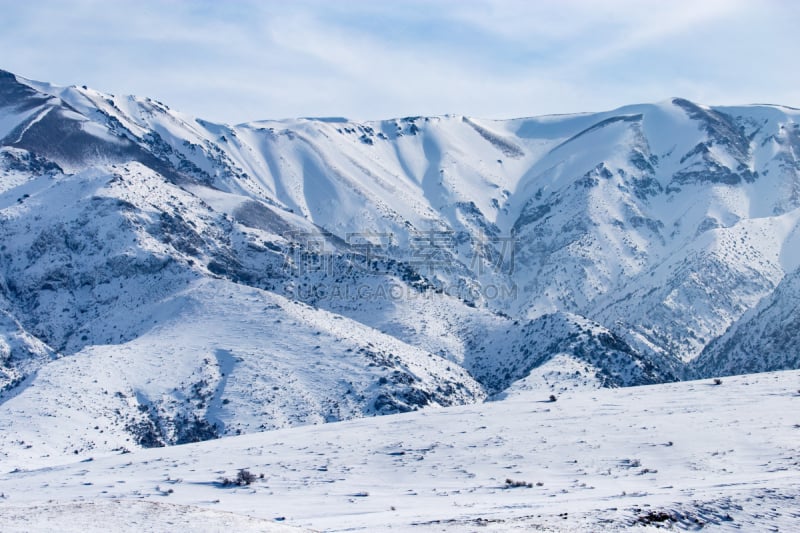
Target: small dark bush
column 717, row 381
column 511, row 484
column 552, row 397
column 243, row 477
column 655, row 517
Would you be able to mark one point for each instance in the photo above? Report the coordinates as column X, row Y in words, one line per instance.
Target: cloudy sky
column 241, row 60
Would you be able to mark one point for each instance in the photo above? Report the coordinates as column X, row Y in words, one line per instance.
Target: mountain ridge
column 626, row 241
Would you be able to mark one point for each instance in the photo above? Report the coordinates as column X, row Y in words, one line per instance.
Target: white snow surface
column 167, row 280
column 685, row 456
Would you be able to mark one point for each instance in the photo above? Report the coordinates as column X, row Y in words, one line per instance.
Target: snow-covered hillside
column 764, row 339
column 220, row 359
column 684, row 456
column 171, row 280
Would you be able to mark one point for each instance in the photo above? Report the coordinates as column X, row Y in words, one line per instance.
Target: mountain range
column 165, row 279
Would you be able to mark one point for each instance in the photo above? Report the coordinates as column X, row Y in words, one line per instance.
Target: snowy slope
column 768, row 331
column 221, row 359
column 132, row 516
column 683, row 456
column 457, row 257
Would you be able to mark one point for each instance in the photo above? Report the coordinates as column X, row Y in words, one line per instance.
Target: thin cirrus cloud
column 247, row 60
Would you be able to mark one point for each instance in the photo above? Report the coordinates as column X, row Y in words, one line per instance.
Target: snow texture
column 165, row 280
column 686, row 456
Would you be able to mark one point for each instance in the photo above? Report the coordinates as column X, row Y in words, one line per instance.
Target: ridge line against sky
column 247, row 60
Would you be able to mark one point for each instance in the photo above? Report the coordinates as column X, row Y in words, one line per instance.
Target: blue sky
column 242, row 60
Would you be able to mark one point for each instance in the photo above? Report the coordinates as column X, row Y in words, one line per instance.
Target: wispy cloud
column 236, row 61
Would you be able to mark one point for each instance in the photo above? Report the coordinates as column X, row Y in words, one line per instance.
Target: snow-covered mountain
column 165, row 279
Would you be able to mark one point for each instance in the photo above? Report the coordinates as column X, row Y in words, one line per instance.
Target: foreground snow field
column 692, row 455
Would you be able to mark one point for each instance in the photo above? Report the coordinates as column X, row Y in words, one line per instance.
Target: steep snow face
column 20, row 352
column 764, row 339
column 619, row 243
column 664, row 222
column 667, row 240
